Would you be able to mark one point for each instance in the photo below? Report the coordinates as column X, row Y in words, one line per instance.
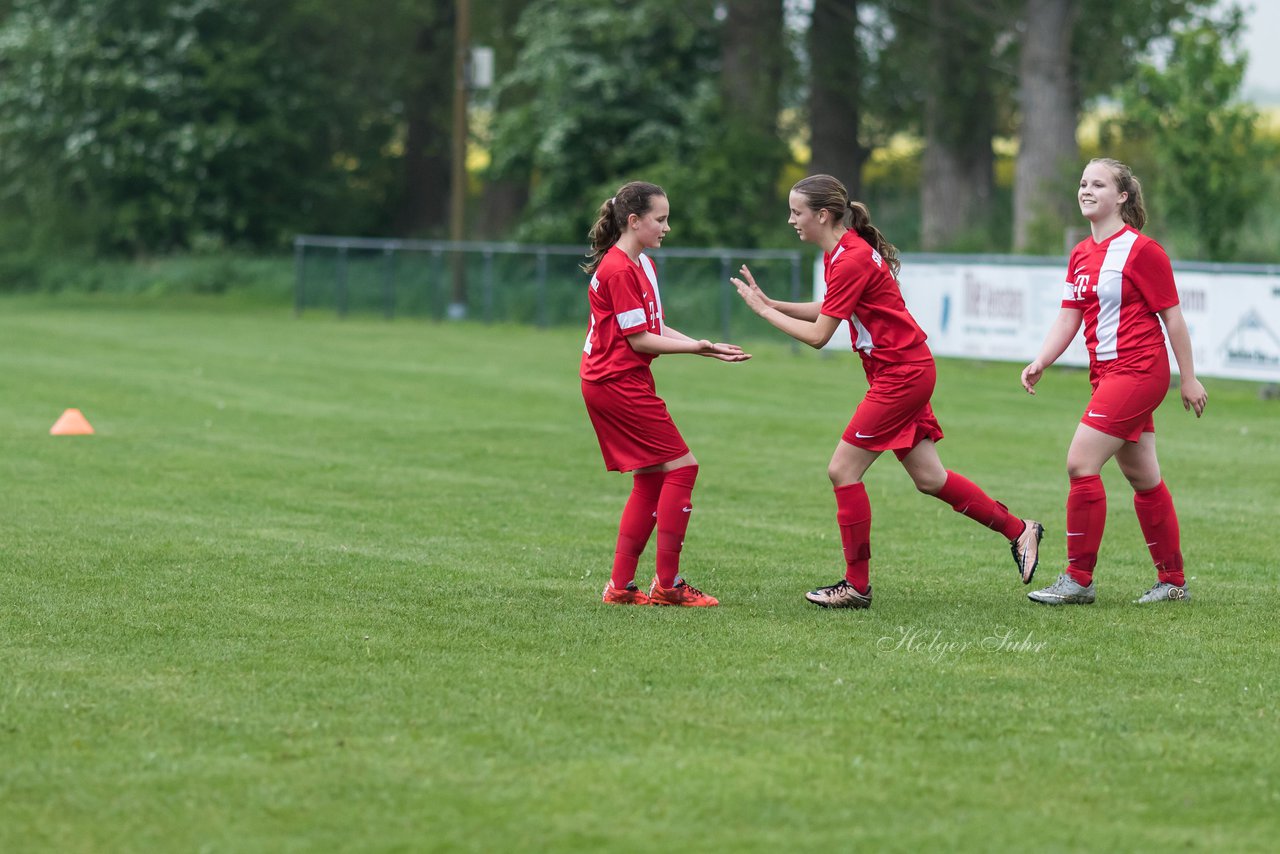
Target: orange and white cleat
column 682, row 594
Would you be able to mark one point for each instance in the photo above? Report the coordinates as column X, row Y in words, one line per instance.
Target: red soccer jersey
column 1120, row 284
column 624, row 300
column 862, row 290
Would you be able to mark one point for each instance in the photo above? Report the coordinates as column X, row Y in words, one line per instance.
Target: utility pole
column 458, row 174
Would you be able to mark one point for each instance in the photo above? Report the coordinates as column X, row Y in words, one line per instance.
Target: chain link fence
column 539, row 284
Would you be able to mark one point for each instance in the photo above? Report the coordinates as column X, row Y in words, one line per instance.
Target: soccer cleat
column 682, row 594
column 629, row 595
column 1064, row 591
column 842, row 594
column 1026, row 550
column 1164, row 592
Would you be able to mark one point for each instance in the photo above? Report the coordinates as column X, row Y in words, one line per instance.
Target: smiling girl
column 636, row 434
column 861, row 267
column 1120, row 285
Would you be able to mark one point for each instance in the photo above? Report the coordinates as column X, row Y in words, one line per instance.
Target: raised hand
column 751, row 293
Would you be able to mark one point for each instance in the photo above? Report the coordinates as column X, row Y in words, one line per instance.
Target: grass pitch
column 320, row 585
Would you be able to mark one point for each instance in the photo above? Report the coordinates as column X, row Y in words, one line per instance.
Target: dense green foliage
column 141, row 127
column 312, row 587
column 1200, row 142
column 619, row 93
column 131, row 128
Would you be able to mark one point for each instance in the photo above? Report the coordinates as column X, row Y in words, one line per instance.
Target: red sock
column 966, row 497
column 1086, row 519
column 1160, row 527
column 853, row 513
column 675, row 506
column 638, row 519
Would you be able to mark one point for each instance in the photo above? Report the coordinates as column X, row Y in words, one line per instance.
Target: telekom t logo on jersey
column 1082, row 286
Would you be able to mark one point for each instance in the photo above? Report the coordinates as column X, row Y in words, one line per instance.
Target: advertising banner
column 1000, row 309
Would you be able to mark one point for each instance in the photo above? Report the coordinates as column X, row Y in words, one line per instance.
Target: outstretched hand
column 751, row 293
column 723, row 352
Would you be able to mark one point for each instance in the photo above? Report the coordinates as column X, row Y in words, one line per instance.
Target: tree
column 1107, row 40
column 836, row 84
column 503, row 198
column 735, row 163
column 661, row 92
column 422, row 207
column 1203, row 144
column 140, row 127
column 959, row 119
column 1048, row 103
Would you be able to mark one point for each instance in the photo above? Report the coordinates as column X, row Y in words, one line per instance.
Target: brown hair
column 633, row 198
column 827, row 193
column 1132, row 211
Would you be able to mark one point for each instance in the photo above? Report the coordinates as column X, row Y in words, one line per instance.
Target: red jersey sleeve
column 1152, row 274
column 626, row 297
column 845, row 283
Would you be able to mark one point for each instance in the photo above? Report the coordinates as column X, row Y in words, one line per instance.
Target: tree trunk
column 959, row 122
column 752, row 61
column 835, row 81
column 501, row 204
column 1047, row 148
column 424, row 204
column 751, row 55
column 957, row 190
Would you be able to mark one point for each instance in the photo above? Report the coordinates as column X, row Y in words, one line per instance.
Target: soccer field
column 322, row 585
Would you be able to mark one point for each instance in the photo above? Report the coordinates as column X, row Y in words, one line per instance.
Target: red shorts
column 895, row 414
column 632, row 423
column 1126, row 392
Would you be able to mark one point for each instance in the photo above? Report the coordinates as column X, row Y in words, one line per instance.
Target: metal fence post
column 389, row 282
column 796, row 261
column 435, row 286
column 542, row 290
column 488, row 286
column 726, row 299
column 299, row 276
column 341, row 284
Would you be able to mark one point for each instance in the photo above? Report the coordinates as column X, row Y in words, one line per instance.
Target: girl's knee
column 929, row 485
column 1075, row 469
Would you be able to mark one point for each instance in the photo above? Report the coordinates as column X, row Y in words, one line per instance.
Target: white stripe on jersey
column 862, row 340
column 1110, row 288
column 631, row 319
column 647, row 266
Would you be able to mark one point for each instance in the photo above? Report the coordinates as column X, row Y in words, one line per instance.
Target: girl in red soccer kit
column 861, row 268
column 636, row 433
column 1119, row 281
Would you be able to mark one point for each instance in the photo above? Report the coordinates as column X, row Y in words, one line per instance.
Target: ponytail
column 860, row 221
column 633, row 198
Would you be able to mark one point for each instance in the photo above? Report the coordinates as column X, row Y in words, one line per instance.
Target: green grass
column 320, row 585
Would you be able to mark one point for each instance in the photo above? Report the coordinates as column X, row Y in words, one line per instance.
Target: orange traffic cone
column 71, row 423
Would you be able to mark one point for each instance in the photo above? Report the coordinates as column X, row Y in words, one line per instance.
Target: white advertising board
column 1000, row 309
